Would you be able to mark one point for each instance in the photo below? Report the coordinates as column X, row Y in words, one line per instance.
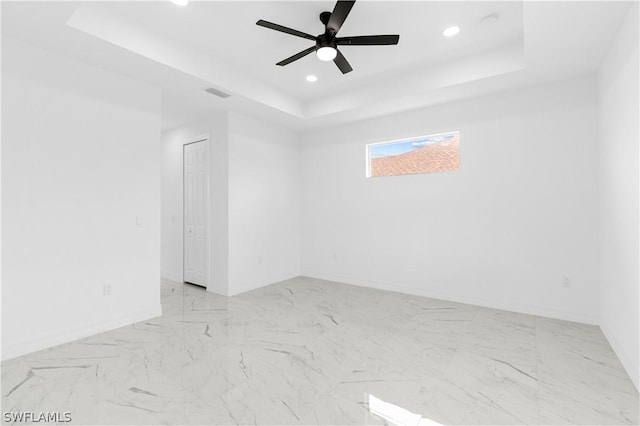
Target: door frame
column 202, row 138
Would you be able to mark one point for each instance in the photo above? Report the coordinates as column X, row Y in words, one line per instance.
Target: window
column 424, row 154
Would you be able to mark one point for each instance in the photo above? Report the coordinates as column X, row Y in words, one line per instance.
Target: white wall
column 255, row 202
column 520, row 215
column 80, row 163
column 216, row 129
column 619, row 141
column 264, row 204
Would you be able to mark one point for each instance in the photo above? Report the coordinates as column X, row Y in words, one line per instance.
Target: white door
column 196, row 178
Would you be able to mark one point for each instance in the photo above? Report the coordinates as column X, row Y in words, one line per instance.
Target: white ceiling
column 227, row 32
column 217, row 44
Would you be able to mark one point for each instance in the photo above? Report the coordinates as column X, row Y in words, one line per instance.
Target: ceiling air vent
column 217, row 93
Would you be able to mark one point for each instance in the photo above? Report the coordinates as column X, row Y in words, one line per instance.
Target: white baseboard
column 630, row 365
column 263, row 283
column 33, row 344
column 506, row 305
column 171, row 276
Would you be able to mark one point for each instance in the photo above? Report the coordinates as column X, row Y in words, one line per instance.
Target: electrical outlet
column 335, row 256
column 106, row 290
column 260, row 260
column 566, row 282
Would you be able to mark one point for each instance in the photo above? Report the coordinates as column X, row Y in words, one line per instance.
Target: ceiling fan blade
column 369, row 40
column 342, row 63
column 339, row 14
column 282, row 29
column 296, row 56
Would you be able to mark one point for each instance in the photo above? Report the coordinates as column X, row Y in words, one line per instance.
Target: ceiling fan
column 326, row 46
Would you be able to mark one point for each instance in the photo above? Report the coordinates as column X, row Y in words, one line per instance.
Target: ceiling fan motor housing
column 326, row 40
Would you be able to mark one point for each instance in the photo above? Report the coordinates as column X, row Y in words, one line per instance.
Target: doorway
column 196, row 212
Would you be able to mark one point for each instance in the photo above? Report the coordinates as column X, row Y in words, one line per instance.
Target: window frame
column 397, row 141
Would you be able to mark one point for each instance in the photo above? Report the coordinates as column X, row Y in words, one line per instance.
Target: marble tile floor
column 307, row 351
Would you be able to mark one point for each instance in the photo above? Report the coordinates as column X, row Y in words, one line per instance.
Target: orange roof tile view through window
column 424, row 154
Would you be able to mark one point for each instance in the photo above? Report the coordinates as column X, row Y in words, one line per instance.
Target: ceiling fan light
column 326, row 53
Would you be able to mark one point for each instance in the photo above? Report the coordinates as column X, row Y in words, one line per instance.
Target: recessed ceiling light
column 451, row 31
column 312, row 78
column 180, row 2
